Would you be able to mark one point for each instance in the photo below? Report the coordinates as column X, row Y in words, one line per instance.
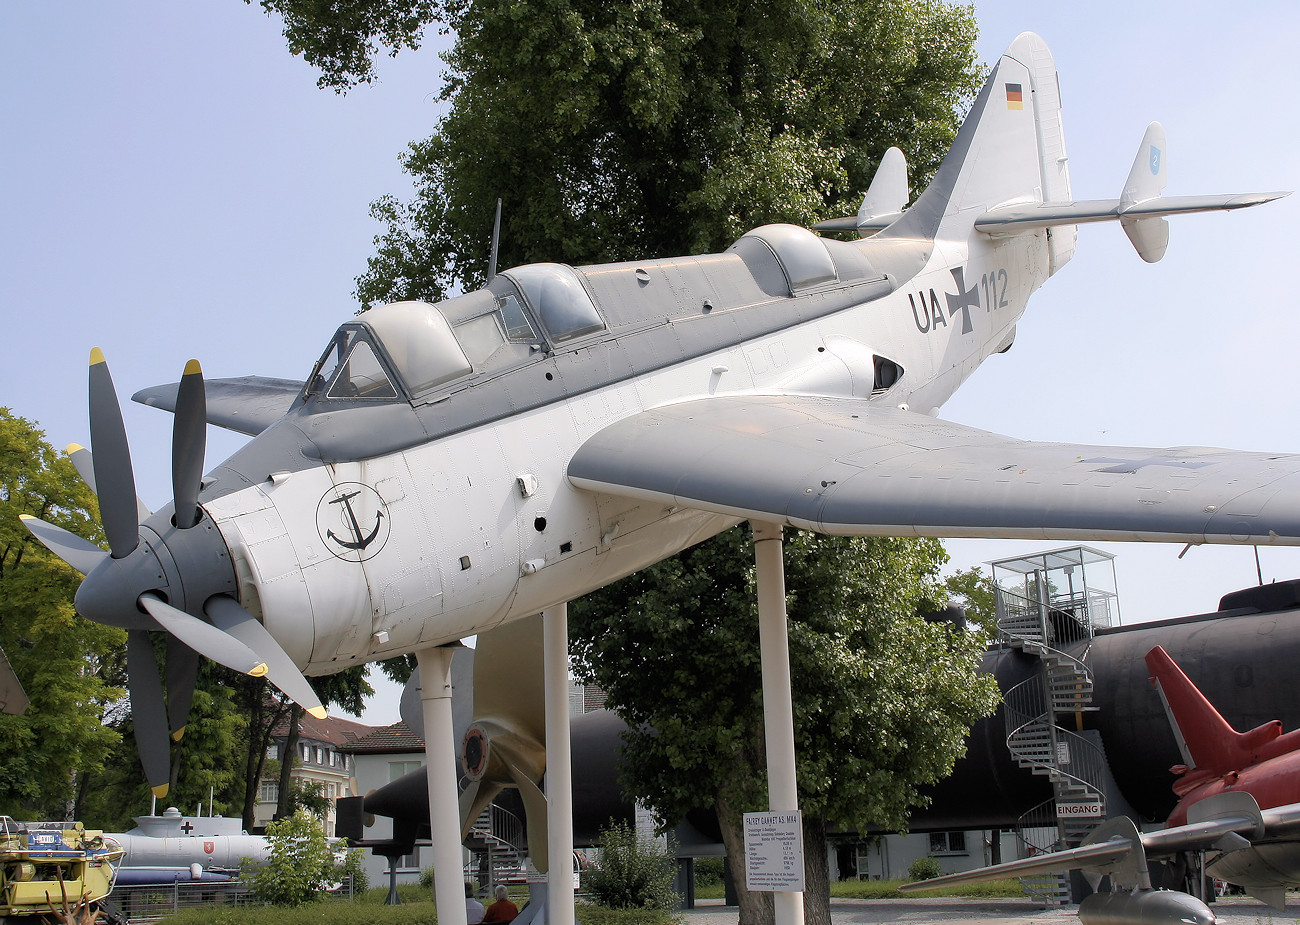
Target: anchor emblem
column 360, row 542
column 353, row 521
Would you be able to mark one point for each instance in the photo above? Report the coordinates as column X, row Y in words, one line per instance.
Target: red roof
column 337, row 732
column 394, row 739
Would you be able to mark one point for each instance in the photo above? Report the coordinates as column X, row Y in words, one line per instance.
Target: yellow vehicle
column 56, row 870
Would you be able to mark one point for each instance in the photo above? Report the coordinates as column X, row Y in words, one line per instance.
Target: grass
column 888, row 889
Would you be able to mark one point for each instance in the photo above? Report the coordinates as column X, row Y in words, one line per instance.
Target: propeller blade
column 81, row 554
column 148, row 711
column 189, row 441
column 114, row 479
column 228, row 616
column 182, row 669
column 85, row 466
column 204, row 638
column 535, row 813
column 509, row 685
column 473, row 800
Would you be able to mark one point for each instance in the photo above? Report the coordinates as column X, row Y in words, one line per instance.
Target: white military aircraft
column 447, row 469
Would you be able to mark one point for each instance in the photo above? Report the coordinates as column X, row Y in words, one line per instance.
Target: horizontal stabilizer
column 1014, row 219
column 246, row 405
column 1087, row 856
column 1141, row 210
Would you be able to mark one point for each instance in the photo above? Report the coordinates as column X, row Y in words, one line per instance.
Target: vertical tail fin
column 1204, row 737
column 1010, row 149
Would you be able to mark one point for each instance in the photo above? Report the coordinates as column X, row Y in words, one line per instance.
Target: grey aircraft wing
column 248, row 405
column 848, row 466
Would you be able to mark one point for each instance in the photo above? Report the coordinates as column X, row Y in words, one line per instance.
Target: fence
column 149, row 903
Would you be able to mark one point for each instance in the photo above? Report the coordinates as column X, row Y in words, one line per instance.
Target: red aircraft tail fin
column 1204, row 737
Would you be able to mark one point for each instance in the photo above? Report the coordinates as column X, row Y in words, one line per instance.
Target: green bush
column 926, row 868
column 302, row 865
column 708, row 872
column 631, row 874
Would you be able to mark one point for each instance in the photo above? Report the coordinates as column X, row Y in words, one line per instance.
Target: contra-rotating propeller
column 168, row 571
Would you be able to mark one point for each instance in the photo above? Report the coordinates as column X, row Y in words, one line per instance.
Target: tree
column 71, row 668
column 883, row 700
column 622, row 131
column 976, row 592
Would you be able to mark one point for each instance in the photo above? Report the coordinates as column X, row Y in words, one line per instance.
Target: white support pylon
column 559, row 767
column 444, row 805
column 778, row 705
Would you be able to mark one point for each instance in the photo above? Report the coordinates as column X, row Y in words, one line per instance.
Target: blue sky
column 174, row 185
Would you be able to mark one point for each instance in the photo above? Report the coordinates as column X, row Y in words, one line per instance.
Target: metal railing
column 152, row 902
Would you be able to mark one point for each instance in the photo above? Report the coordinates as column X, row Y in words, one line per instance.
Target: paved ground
column 1233, row 911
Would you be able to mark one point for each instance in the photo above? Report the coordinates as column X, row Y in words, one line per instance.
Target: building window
column 269, row 791
column 273, row 752
column 306, row 754
column 397, row 769
column 947, row 843
column 320, row 755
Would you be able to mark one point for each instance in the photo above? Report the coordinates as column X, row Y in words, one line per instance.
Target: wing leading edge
column 846, row 466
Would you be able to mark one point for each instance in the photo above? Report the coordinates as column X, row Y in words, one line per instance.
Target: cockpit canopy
column 416, row 349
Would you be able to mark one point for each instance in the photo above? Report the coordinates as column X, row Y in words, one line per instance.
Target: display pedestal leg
column 559, row 767
column 778, row 707
column 444, row 805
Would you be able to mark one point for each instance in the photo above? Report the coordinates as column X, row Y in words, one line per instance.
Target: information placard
column 774, row 852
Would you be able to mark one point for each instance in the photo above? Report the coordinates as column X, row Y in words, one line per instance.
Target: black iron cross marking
column 964, row 300
column 1129, row 466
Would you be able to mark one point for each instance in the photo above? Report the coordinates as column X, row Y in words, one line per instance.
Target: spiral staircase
column 1048, row 610
column 498, row 848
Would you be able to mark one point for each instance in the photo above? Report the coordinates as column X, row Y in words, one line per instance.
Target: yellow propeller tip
column 74, row 448
column 258, row 671
column 96, row 356
column 160, row 791
column 318, row 712
column 192, row 368
column 26, row 517
column 176, row 736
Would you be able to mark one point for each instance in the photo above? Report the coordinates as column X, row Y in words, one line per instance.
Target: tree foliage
column 70, row 668
column 975, row 591
column 342, row 37
column 623, row 131
column 883, row 700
